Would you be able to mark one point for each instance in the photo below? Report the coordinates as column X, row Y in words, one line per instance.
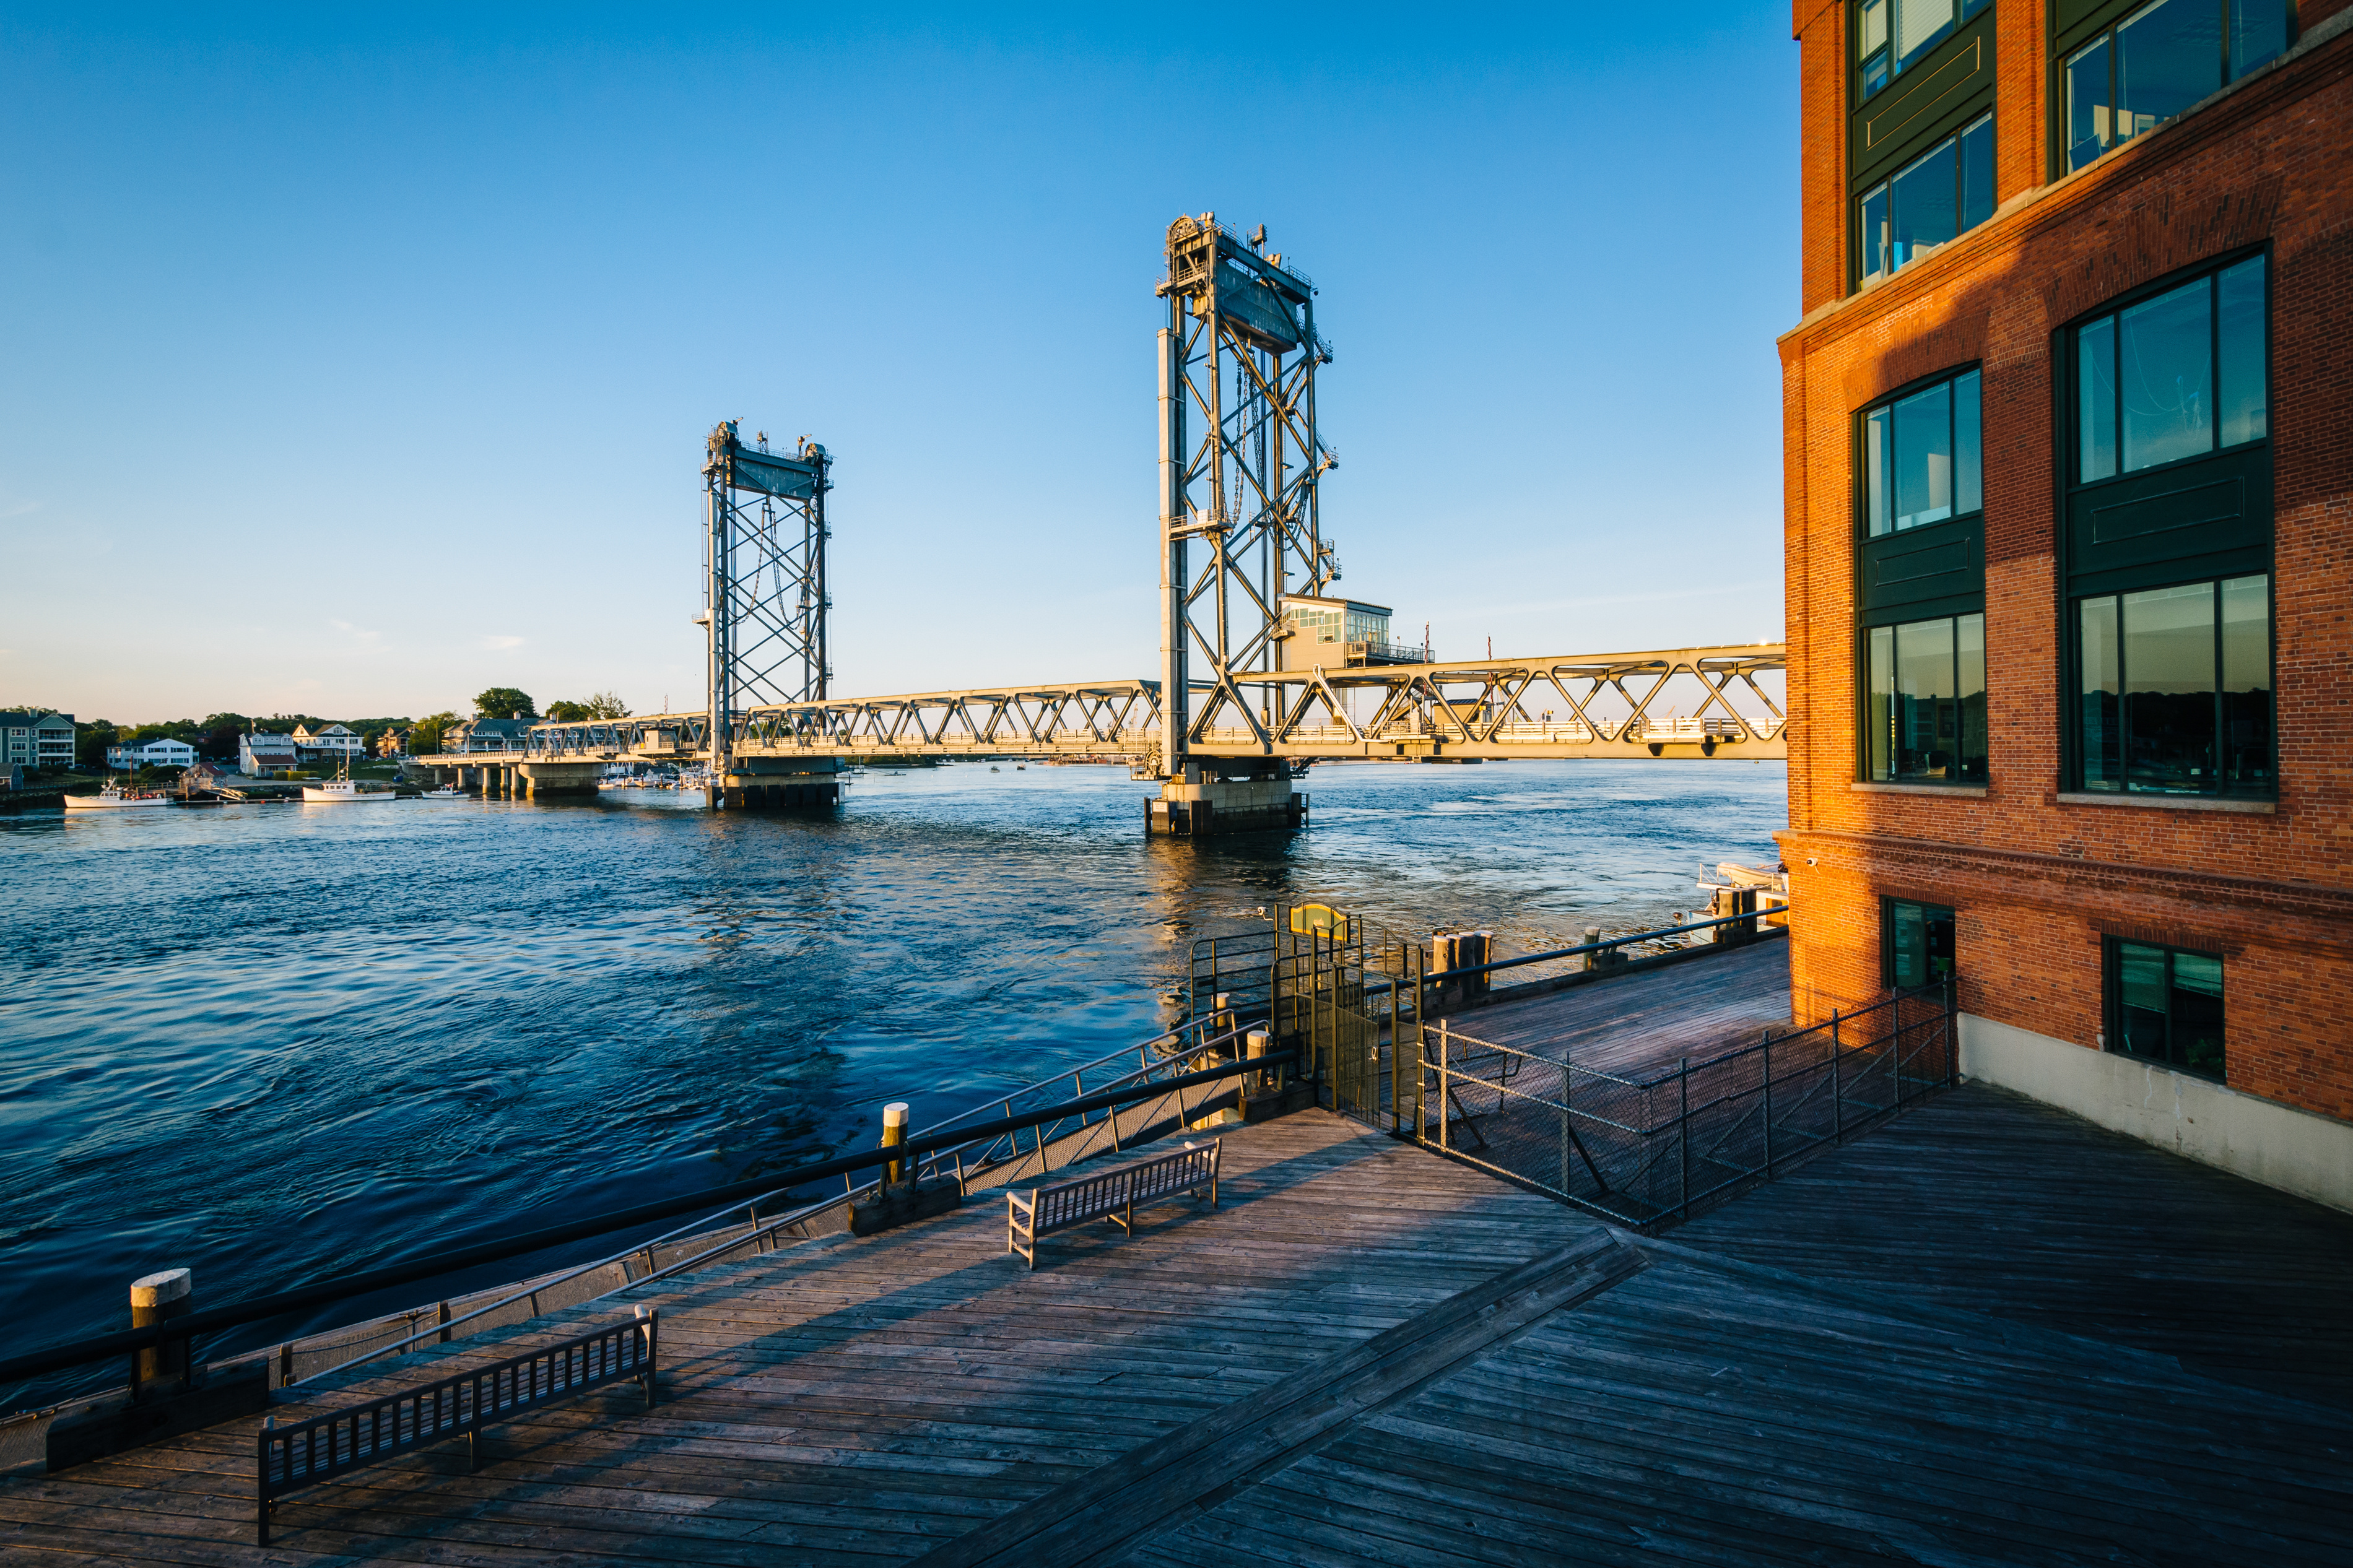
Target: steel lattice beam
column 1492, row 709
column 1240, row 466
column 766, row 602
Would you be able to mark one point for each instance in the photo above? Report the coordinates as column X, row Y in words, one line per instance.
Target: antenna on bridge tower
column 766, row 598
column 1241, row 468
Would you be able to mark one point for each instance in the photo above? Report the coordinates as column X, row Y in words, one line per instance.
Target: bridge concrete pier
column 766, row 783
column 1200, row 804
column 559, row 778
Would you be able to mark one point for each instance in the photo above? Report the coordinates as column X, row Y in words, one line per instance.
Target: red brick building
column 2068, row 428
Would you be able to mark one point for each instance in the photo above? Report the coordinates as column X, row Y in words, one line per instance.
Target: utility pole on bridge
column 1237, row 361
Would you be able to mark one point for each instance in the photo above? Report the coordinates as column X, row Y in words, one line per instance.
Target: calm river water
column 272, row 1043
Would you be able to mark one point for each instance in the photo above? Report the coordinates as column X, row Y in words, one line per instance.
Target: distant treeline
column 214, row 736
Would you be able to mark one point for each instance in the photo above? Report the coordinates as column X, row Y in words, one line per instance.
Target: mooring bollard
column 1256, row 1047
column 158, row 1298
column 894, row 1133
column 1592, row 935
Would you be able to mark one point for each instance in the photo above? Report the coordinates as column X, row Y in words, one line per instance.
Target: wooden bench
column 308, row 1452
column 1114, row 1195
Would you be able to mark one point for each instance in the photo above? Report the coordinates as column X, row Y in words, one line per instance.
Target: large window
column 2169, row 587
column 1929, row 203
column 2157, row 61
column 2176, row 376
column 2176, row 689
column 1924, row 710
column 2164, row 1005
column 1891, row 37
column 1922, row 457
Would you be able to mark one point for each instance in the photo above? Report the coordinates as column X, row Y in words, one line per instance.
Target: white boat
column 341, row 789
column 114, row 797
column 446, row 791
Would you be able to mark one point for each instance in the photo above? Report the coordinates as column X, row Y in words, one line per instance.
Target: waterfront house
column 331, row 744
column 162, row 752
column 261, row 756
column 2068, row 536
column 35, row 741
column 487, row 735
column 392, row 743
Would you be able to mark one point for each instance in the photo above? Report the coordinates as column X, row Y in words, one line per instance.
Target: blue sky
column 353, row 361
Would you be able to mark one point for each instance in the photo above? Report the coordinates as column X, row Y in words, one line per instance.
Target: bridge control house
column 2069, row 526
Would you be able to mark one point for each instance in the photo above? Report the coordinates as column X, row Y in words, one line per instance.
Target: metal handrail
column 1436, row 976
column 730, row 1197
column 925, row 1139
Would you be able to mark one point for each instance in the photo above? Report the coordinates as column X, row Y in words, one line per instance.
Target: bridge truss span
column 1682, row 702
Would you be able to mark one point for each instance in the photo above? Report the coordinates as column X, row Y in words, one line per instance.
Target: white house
column 159, row 752
column 260, row 756
column 328, row 744
column 36, row 740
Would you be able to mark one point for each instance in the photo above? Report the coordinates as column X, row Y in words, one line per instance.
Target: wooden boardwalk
column 1637, row 1025
column 1966, row 1339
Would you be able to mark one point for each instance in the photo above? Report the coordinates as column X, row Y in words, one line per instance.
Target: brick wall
column 2036, row 883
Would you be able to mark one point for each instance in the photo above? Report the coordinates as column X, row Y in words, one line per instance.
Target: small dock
column 1984, row 1334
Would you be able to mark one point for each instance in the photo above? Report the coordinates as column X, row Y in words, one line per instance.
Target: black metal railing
column 1648, row 1152
column 929, row 1148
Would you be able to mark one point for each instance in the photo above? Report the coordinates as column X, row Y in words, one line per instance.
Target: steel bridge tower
column 1241, row 466
column 765, row 600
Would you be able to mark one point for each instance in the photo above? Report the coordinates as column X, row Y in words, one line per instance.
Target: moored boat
column 341, row 789
column 114, row 797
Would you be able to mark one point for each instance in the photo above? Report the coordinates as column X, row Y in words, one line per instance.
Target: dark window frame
column 1960, row 535
column 2112, row 1005
column 2209, row 272
column 1859, row 90
column 1885, row 188
column 2076, row 582
column 1887, row 903
column 2122, row 790
column 2066, row 44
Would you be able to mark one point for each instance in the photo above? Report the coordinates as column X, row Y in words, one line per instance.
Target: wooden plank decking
column 1637, row 1025
column 1984, row 1334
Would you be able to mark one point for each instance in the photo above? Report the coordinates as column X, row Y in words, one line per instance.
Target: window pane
column 2088, row 128
column 2241, row 401
column 2197, row 1014
column 2163, row 355
column 2168, row 657
column 1971, row 7
column 1928, row 716
column 1874, row 73
column 1920, row 26
column 2258, row 34
column 1908, row 939
column 2096, row 372
column 1977, row 174
column 2103, row 734
column 1969, row 462
column 2168, row 56
column 1970, row 640
column 2247, row 685
column 1872, row 32
column 1924, row 457
column 1920, row 209
column 1878, row 432
column 2143, row 998
column 1879, row 706
column 1877, row 262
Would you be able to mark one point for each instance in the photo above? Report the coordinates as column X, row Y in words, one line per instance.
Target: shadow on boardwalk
column 1985, row 1332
